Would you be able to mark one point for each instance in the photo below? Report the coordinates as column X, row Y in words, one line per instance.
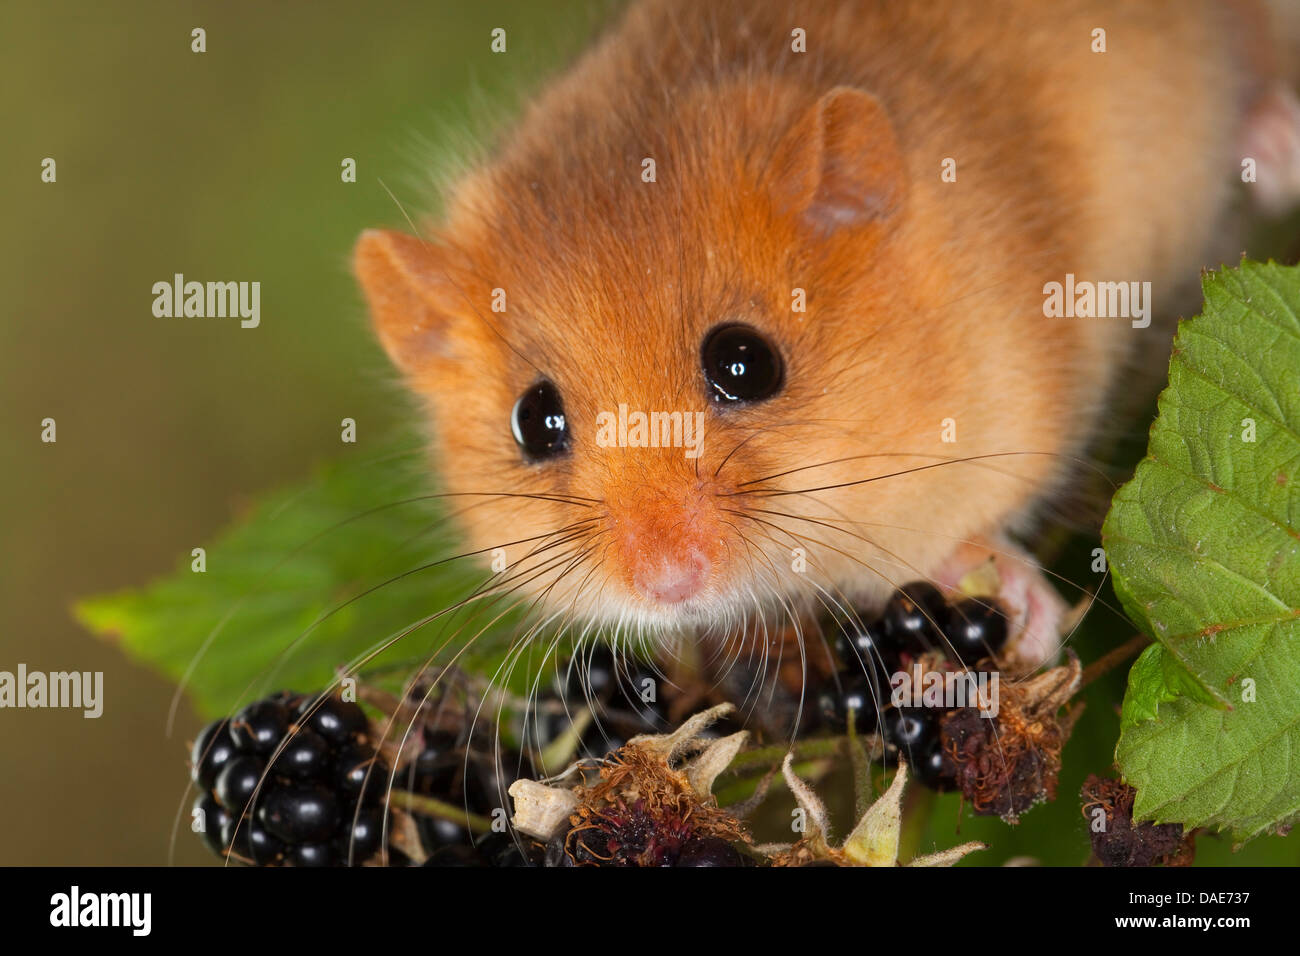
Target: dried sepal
column 873, row 842
column 704, row 769
column 541, row 811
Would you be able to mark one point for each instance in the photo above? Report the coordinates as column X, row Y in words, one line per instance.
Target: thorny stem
column 429, row 806
column 1111, row 659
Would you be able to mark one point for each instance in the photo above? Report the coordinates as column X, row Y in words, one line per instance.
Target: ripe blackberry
column 911, row 618
column 215, row 818
column 337, row 720
column 709, row 851
column 306, row 809
column 361, row 838
column 861, row 648
column 237, row 782
column 975, row 629
column 306, row 756
column 260, row 726
column 362, row 777
column 251, row 841
column 212, row 750
column 930, row 768
column 858, row 693
column 910, row 731
column 299, row 814
column 313, row 855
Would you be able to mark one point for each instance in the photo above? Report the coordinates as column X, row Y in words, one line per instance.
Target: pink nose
column 672, row 580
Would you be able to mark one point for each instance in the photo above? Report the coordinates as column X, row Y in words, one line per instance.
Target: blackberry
column 362, row 776
column 237, row 782
column 709, row 851
column 975, row 629
column 861, row 648
column 858, row 693
column 930, row 769
column 299, row 814
column 314, row 854
column 260, row 726
column 911, row 618
column 911, row 731
column 251, row 841
column 307, row 806
column 212, row 750
column 306, row 756
column 337, row 720
column 215, row 819
column 363, row 839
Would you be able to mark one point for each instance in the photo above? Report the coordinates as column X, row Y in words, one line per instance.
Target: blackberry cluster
column 915, row 620
column 291, row 780
column 448, row 770
column 616, row 693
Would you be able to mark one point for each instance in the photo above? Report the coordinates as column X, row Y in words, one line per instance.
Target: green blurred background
column 221, row 165
column 225, row 165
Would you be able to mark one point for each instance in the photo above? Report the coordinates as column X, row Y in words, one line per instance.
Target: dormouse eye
column 740, row 365
column 538, row 422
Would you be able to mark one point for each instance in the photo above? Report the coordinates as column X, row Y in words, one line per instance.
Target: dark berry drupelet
column 976, row 629
column 910, row 731
column 260, row 726
column 857, row 693
column 338, row 721
column 912, row 618
column 212, row 750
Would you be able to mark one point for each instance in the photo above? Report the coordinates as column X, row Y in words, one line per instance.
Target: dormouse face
column 700, row 391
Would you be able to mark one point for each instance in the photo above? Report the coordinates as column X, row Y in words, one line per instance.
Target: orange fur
column 925, row 305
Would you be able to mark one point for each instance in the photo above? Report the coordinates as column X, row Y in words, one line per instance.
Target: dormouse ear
column 406, row 286
column 840, row 167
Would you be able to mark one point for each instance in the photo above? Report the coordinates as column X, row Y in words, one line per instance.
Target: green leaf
column 1205, row 552
column 273, row 608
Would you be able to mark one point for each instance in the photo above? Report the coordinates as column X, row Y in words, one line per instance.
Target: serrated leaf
column 1204, row 547
column 273, row 610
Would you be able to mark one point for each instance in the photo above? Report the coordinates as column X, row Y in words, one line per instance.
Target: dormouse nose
column 666, row 544
column 672, row 578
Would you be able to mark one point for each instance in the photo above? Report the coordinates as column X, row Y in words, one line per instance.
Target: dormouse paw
column 1271, row 137
column 1037, row 616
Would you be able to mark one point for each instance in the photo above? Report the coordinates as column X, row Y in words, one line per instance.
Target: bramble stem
column 1108, row 661
column 432, row 807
